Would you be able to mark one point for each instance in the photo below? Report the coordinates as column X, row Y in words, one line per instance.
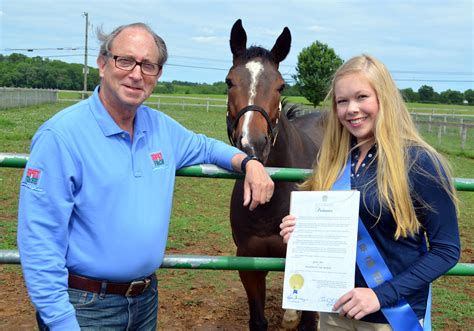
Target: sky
column 422, row 42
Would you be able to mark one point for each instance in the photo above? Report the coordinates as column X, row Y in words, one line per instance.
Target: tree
column 164, row 88
column 409, row 95
column 469, row 96
column 427, row 94
column 314, row 70
column 451, row 97
column 291, row 90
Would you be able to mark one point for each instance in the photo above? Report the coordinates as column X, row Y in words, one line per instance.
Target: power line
column 284, row 74
column 435, row 80
column 417, row 72
column 196, row 67
column 42, row 49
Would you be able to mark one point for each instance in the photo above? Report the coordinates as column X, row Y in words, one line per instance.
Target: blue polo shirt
column 96, row 203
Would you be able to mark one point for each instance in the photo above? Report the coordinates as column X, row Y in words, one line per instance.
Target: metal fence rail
column 212, row 171
column 226, row 262
column 204, row 262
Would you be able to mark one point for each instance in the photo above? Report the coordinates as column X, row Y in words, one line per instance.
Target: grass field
column 200, row 212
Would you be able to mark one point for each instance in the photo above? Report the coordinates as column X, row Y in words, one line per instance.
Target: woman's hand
column 287, row 227
column 357, row 303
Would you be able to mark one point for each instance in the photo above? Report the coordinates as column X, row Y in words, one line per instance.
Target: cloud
column 206, row 30
column 405, row 34
column 318, row 28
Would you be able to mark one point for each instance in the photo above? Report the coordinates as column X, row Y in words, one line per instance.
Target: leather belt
column 130, row 289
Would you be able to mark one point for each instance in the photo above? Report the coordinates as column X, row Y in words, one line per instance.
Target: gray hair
column 107, row 40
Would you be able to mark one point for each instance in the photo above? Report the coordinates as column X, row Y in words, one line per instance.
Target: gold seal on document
column 296, row 281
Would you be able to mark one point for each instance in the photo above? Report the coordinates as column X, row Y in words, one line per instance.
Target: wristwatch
column 247, row 159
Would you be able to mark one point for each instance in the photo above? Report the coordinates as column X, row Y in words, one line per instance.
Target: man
column 96, row 196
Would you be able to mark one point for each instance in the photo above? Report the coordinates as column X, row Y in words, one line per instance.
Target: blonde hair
column 394, row 133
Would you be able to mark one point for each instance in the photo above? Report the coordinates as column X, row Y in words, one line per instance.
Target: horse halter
column 272, row 130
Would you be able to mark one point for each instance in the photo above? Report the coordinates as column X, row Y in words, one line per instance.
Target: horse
column 259, row 125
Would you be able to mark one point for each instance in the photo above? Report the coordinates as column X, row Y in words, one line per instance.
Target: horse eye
column 229, row 83
column 281, row 88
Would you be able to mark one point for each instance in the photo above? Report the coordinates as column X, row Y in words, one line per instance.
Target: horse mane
column 290, row 110
column 256, row 51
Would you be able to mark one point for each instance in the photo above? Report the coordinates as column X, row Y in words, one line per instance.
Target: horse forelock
column 254, row 52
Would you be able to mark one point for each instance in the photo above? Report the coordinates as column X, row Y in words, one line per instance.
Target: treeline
column 426, row 94
column 18, row 70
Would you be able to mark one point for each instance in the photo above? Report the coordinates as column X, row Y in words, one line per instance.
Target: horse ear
column 282, row 46
column 238, row 39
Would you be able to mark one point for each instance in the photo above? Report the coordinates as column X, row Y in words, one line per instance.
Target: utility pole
column 86, row 69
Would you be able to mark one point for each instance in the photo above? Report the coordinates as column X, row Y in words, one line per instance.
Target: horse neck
column 292, row 148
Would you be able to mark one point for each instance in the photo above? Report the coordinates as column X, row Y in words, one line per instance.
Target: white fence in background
column 12, row 97
column 452, row 123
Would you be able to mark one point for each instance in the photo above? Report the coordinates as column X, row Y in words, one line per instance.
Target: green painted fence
column 227, row 262
column 212, row 171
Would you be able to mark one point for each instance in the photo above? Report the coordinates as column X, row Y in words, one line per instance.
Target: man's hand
column 258, row 186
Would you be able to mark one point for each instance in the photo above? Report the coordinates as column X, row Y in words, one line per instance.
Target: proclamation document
column 321, row 253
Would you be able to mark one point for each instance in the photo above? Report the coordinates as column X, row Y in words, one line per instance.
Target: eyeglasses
column 129, row 63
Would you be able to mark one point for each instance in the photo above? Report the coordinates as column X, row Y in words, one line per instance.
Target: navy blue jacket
column 413, row 266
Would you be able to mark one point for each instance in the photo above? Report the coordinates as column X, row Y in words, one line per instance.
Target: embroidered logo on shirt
column 32, row 176
column 157, row 159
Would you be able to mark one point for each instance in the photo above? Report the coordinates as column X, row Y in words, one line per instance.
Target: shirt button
column 370, row 155
column 357, row 175
column 123, row 135
column 363, row 164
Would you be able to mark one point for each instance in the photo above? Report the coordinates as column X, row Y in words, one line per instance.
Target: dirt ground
column 197, row 300
column 196, row 308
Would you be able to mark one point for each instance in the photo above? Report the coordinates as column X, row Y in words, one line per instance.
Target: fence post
column 183, row 104
column 207, row 106
column 461, row 121
column 440, row 130
column 429, row 123
column 444, row 126
column 463, row 136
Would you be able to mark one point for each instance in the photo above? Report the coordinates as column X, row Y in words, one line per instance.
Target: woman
column 406, row 196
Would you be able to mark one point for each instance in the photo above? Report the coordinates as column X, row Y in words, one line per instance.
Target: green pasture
column 200, row 212
column 219, row 99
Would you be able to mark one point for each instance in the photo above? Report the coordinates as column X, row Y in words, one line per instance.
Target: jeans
column 113, row 312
